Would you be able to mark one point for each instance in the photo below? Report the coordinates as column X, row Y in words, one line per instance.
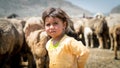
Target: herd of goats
column 22, row 41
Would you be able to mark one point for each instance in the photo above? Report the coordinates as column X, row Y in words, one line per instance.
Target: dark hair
column 55, row 12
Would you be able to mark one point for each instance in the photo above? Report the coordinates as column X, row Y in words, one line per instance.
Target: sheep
column 36, row 39
column 78, row 24
column 100, row 28
column 88, row 34
column 114, row 32
column 11, row 41
column 83, row 32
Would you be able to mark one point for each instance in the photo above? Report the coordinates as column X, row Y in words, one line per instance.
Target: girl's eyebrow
column 55, row 22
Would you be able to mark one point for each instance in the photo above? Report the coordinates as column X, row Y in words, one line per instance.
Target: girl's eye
column 47, row 24
column 55, row 23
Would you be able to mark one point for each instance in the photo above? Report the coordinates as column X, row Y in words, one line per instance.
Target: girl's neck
column 56, row 40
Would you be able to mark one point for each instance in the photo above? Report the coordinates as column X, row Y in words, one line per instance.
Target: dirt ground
column 102, row 58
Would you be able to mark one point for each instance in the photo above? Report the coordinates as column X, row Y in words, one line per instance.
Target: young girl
column 64, row 51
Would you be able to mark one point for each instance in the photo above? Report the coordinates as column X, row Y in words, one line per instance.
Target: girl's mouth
column 52, row 31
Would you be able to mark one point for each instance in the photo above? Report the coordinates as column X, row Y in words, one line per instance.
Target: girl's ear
column 64, row 25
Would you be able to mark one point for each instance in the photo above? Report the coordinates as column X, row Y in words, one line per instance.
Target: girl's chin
column 52, row 34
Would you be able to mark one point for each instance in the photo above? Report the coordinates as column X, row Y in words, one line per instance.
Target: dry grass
column 102, row 58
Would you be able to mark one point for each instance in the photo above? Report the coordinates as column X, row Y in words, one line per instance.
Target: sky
column 95, row 6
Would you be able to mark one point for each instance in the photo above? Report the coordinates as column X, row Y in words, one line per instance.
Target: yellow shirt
column 68, row 53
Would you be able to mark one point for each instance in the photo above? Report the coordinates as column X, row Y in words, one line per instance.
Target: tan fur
column 36, row 39
column 6, row 28
column 114, row 29
column 32, row 24
column 11, row 39
column 78, row 24
column 100, row 28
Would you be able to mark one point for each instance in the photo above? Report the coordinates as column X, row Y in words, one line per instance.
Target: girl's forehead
column 52, row 19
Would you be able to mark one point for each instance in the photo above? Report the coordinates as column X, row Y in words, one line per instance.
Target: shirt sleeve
column 80, row 51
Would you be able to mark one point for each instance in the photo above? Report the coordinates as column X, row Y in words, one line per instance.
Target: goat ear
column 23, row 23
column 1, row 31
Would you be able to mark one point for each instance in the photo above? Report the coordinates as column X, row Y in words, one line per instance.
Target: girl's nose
column 51, row 26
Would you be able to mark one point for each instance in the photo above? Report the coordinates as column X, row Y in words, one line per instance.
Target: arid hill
column 36, row 7
column 116, row 9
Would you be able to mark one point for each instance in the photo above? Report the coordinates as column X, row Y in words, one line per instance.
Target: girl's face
column 54, row 27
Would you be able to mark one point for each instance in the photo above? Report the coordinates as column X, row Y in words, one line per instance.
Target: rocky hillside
column 116, row 9
column 36, row 7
